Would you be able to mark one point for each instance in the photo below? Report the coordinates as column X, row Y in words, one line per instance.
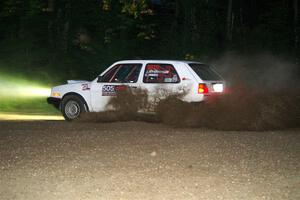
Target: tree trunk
column 65, row 36
column 229, row 21
column 66, row 27
column 296, row 33
column 296, row 36
column 50, row 10
column 177, row 16
column 187, row 26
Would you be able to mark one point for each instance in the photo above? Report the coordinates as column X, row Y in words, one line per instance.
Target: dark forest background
column 53, row 40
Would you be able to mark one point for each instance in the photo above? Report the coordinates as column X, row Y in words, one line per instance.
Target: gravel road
column 46, row 160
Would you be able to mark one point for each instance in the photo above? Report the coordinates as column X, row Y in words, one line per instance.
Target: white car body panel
column 92, row 92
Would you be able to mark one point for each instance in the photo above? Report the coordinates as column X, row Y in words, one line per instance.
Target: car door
column 160, row 80
column 116, row 79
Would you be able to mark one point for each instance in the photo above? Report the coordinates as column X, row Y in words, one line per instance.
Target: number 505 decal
column 111, row 90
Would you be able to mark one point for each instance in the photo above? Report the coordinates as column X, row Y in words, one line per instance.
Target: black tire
column 72, row 107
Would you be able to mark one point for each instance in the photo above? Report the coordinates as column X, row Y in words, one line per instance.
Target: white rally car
column 193, row 80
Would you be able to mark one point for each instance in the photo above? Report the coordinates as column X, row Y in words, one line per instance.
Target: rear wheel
column 72, row 107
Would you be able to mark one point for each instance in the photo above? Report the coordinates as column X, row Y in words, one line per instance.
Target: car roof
column 157, row 61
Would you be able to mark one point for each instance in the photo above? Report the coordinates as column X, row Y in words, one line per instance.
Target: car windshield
column 205, row 72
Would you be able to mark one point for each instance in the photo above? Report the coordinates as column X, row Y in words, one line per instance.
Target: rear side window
column 124, row 73
column 205, row 72
column 160, row 73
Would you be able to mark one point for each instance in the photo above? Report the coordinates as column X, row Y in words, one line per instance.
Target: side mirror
column 100, row 79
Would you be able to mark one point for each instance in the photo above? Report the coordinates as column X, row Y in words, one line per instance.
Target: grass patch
column 37, row 105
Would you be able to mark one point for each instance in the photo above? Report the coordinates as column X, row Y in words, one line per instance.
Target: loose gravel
column 136, row 160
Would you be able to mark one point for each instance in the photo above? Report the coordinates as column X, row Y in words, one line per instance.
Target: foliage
column 80, row 38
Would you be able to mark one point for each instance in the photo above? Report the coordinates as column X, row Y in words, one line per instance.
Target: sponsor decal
column 155, row 71
column 112, row 90
column 151, row 75
column 85, row 86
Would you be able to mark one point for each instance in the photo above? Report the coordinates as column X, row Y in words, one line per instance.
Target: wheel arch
column 79, row 96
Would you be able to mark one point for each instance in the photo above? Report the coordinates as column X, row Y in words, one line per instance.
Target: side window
column 160, row 73
column 107, row 77
column 125, row 73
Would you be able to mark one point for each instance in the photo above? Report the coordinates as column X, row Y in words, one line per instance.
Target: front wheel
column 72, row 107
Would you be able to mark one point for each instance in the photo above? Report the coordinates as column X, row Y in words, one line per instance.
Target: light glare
column 22, row 117
column 13, row 87
column 36, row 92
column 218, row 87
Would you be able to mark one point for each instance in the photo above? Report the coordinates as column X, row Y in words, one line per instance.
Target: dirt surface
column 136, row 160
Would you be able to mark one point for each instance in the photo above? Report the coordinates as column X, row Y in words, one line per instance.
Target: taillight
column 202, row 89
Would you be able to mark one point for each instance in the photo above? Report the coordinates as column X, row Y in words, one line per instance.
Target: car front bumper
column 54, row 101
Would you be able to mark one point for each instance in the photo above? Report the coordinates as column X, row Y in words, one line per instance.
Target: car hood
column 76, row 81
column 77, row 86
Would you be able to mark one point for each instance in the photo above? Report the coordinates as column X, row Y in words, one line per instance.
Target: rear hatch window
column 205, row 72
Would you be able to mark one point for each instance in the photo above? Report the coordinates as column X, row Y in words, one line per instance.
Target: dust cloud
column 127, row 105
column 262, row 94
